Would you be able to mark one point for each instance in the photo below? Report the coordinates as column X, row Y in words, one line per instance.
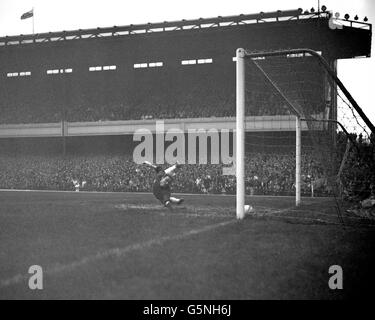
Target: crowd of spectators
column 155, row 108
column 268, row 174
column 162, row 96
column 358, row 180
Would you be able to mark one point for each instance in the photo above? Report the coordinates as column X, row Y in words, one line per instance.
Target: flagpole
column 33, row 19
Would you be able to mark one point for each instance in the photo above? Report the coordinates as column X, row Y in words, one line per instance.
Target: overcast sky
column 51, row 15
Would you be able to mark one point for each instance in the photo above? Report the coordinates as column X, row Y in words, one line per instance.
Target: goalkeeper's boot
column 168, row 204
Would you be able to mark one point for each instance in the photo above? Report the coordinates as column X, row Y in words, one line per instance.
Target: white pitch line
column 114, row 252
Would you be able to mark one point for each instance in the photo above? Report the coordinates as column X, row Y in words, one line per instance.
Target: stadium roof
column 201, row 23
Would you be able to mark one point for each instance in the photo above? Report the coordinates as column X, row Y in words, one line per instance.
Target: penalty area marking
column 114, row 252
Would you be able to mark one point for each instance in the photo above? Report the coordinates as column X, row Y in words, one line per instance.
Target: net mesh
column 337, row 158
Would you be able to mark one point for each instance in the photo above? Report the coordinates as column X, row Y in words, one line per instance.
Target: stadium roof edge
column 241, row 19
column 146, row 26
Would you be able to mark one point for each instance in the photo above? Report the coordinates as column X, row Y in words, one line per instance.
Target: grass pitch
column 127, row 246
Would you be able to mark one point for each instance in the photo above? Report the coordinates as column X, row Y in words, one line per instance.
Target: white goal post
column 240, row 139
column 240, row 133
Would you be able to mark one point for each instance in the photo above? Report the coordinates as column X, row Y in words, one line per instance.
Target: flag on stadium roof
column 27, row 14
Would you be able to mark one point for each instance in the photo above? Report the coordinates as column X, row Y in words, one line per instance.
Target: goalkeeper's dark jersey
column 161, row 192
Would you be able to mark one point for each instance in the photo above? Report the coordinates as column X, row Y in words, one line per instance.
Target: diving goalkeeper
column 161, row 186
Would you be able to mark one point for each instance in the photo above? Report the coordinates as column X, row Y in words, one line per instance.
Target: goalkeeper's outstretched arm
column 171, row 170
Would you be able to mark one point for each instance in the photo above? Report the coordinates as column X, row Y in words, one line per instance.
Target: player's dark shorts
column 161, row 193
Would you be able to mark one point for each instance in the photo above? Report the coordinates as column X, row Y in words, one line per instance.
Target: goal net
column 303, row 133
